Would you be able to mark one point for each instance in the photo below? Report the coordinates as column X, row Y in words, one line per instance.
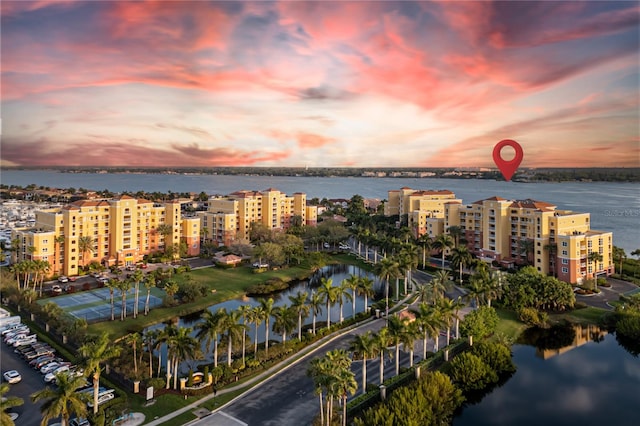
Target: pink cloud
column 310, row 140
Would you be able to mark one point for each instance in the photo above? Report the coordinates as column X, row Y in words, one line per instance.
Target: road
column 288, row 398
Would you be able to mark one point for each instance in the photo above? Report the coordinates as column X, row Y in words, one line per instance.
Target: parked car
column 63, row 279
column 79, row 422
column 47, row 359
column 54, row 366
column 56, row 289
column 12, row 376
column 50, row 377
column 102, row 399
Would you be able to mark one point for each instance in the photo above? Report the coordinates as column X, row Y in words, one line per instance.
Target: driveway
column 607, row 294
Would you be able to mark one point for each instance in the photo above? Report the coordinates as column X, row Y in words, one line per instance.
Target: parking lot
column 31, row 382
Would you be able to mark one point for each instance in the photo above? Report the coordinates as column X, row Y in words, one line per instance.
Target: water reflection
column 556, row 340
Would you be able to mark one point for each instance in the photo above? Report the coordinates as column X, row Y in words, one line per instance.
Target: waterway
column 613, row 206
column 591, row 381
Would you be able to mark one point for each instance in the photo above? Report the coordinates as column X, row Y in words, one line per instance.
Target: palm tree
column 209, row 329
column 59, row 240
column 133, row 339
column 396, row 328
column 94, row 353
column 460, row 257
column 553, row 252
column 442, row 243
column 284, row 321
column 386, row 269
column 427, row 245
column 136, row 277
column 341, row 366
column 85, row 245
column 149, row 283
column 315, row 303
column 365, row 288
column 457, row 305
column 343, row 385
column 171, row 288
column 245, row 312
column 112, row 284
column 234, row 329
column 440, row 283
column 343, row 293
column 329, row 294
column 165, row 230
column 123, row 286
column 165, row 337
column 447, row 309
column 181, row 346
column 526, row 247
column 408, row 338
column 7, row 402
column 300, row 307
column 266, row 305
column 256, row 317
column 457, row 233
column 352, row 283
column 381, row 342
column 364, row 346
column 63, row 400
column 320, row 371
column 429, row 323
column 149, row 338
column 595, row 257
column 476, row 288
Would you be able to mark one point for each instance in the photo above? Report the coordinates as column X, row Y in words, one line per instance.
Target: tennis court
column 95, row 305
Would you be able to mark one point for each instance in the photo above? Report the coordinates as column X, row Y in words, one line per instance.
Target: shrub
column 479, row 323
column 469, row 372
column 531, row 316
column 495, row 355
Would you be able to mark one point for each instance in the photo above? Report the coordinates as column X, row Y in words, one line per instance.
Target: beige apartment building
column 121, row 230
column 229, row 218
column 555, row 242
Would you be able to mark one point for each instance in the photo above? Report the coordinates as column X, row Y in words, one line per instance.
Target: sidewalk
column 276, row 369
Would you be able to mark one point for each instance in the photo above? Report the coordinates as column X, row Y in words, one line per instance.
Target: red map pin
column 507, row 168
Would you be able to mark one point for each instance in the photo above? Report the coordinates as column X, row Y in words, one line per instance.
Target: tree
column 552, row 248
column 352, row 282
column 427, row 245
column 343, row 293
column 320, row 372
column 181, row 346
column 136, row 278
column 381, row 343
column 447, row 309
column 85, row 245
column 63, row 400
column 165, row 230
column 526, row 247
column 245, row 312
column 7, row 402
column 256, row 317
column 300, row 307
column 442, row 243
column 234, row 330
column 123, row 286
column 149, row 338
column 440, row 283
column 133, row 339
column 171, row 288
column 429, row 320
column 266, row 306
column 457, row 233
column 480, row 322
column 364, row 346
column 396, row 328
column 149, row 283
column 284, row 321
column 460, row 257
column 469, row 372
column 619, row 255
column 209, row 328
column 365, row 289
column 315, row 304
column 386, row 269
column 329, row 295
column 94, row 353
column 410, row 334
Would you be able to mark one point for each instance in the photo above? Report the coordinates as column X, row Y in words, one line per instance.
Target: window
column 565, row 261
column 565, row 270
column 564, row 244
column 564, row 253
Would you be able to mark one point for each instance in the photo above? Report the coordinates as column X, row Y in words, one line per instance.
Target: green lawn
column 509, row 325
column 588, row 315
column 222, row 284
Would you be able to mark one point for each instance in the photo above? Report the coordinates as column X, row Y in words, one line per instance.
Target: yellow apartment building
column 122, row 230
column 229, row 218
column 512, row 232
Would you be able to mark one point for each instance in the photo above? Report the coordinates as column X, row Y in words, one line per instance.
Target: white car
column 52, row 375
column 56, row 288
column 102, row 399
column 63, row 279
column 52, row 366
column 12, row 376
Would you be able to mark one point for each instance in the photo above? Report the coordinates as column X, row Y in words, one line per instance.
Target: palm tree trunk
column 113, row 308
column 424, row 346
column 135, row 361
column 381, row 367
column 341, row 316
column 328, row 314
column 344, row 410
column 364, row 374
column 175, row 375
column 365, row 303
column 146, row 303
column 215, row 351
column 448, row 334
column 96, row 386
column 150, row 362
column 266, row 337
column 244, row 345
column 255, row 343
column 321, row 410
column 397, row 358
column 314, row 323
column 353, row 303
column 229, row 351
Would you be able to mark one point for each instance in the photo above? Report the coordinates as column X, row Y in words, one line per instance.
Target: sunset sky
column 319, row 84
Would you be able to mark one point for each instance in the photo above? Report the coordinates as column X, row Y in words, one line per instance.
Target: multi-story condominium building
column 118, row 231
column 420, row 207
column 229, row 218
column 510, row 232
